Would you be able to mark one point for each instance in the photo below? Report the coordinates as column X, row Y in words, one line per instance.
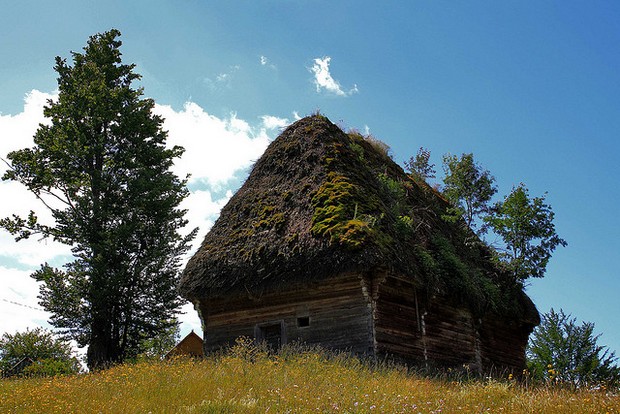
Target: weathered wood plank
column 338, row 316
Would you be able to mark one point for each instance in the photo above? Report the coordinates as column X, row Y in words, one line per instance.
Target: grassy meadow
column 247, row 380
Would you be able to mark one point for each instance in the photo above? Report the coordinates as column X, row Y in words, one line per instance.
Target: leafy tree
column 468, row 187
column 526, row 226
column 420, row 165
column 562, row 351
column 103, row 170
column 50, row 355
column 158, row 346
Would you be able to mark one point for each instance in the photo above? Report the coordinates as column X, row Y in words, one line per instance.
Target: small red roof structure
column 191, row 345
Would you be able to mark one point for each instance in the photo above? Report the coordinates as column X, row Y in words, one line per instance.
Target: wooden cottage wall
column 426, row 332
column 397, row 317
column 371, row 314
column 450, row 335
column 337, row 312
column 503, row 343
column 439, row 332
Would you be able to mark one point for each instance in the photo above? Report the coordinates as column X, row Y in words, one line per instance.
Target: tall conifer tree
column 103, row 170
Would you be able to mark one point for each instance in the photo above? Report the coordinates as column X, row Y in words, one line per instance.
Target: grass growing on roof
column 321, row 201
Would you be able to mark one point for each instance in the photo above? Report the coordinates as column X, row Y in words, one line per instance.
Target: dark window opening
column 271, row 334
column 303, row 321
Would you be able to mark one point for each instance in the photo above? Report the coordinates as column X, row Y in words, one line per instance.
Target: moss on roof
column 320, row 202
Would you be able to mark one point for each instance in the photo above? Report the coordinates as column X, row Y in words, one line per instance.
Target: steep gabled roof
column 320, row 202
column 191, row 345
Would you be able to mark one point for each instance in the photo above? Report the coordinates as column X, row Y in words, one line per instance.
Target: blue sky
column 531, row 88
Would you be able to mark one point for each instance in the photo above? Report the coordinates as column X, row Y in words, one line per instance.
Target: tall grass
column 248, row 380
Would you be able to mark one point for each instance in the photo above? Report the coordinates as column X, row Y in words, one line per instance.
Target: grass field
column 246, row 380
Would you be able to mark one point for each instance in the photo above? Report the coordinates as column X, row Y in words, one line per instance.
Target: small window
column 303, row 321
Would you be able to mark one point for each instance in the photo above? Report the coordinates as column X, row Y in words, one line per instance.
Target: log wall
column 502, row 344
column 372, row 314
column 398, row 320
column 337, row 314
column 437, row 332
column 426, row 332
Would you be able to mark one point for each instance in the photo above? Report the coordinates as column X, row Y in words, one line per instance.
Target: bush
column 49, row 355
column 561, row 351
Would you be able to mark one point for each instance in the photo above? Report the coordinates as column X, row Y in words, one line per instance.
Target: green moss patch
column 335, row 208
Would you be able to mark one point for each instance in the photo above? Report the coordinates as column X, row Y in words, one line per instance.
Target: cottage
column 329, row 242
column 191, row 346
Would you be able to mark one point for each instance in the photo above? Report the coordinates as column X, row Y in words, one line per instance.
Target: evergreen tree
column 158, row 346
column 103, row 170
column 562, row 351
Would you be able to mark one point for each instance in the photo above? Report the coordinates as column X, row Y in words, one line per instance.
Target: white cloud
column 18, row 302
column 217, row 151
column 202, row 211
column 324, row 80
column 273, row 122
column 18, row 130
column 264, row 61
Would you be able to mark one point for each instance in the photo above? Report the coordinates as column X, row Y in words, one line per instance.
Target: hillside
column 246, row 380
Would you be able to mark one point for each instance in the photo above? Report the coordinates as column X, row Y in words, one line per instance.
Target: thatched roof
column 320, row 202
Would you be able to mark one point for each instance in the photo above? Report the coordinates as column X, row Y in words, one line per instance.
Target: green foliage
column 468, row 187
column 459, row 277
column 158, row 346
column 101, row 166
column 393, row 187
column 526, row 226
column 562, row 351
column 358, row 150
column 425, row 258
column 420, row 167
column 49, row 355
column 404, row 224
column 51, row 367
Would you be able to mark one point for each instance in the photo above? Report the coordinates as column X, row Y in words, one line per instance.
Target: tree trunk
column 102, row 351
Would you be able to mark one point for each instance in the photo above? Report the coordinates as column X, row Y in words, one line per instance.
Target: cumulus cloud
column 323, row 79
column 218, row 151
column 18, row 130
column 273, row 122
column 202, row 211
column 215, row 149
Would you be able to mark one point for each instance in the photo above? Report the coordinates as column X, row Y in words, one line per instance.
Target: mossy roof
column 320, row 202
